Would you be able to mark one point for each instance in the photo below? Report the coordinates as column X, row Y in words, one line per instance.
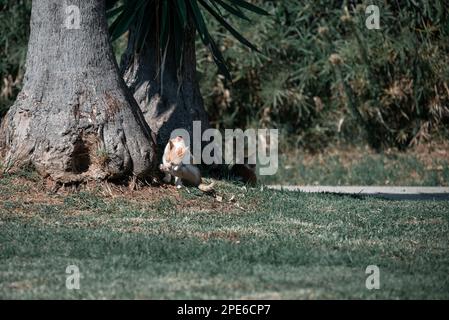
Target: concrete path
column 394, row 193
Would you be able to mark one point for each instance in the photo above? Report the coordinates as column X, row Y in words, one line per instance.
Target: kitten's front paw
column 167, row 178
column 178, row 182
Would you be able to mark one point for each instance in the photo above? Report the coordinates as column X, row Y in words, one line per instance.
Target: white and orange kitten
column 177, row 162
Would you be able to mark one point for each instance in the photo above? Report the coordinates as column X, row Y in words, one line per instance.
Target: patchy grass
column 425, row 165
column 161, row 243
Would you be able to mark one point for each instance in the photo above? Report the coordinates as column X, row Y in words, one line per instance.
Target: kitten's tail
column 206, row 187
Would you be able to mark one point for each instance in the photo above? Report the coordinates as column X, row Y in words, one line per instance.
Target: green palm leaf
column 173, row 16
column 233, row 10
column 223, row 22
column 250, row 7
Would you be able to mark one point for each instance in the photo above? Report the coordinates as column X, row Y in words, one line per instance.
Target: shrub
column 14, row 26
column 389, row 87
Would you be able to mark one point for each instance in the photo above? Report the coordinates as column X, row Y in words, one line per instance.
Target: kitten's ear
column 181, row 152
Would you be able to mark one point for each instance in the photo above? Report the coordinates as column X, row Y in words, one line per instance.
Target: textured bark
column 74, row 119
column 168, row 101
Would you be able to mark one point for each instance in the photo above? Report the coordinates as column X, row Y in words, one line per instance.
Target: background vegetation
column 393, row 89
column 14, row 31
column 385, row 88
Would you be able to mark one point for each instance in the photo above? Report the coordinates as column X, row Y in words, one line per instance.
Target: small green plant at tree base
column 102, row 156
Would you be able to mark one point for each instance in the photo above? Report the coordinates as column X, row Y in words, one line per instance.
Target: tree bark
column 167, row 99
column 74, row 119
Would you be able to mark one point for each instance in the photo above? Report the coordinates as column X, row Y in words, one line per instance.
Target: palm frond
column 173, row 17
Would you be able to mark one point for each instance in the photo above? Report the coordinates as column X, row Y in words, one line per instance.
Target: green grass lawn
column 427, row 166
column 161, row 243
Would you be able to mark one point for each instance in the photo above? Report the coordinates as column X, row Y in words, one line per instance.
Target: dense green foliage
column 14, row 30
column 391, row 87
column 388, row 87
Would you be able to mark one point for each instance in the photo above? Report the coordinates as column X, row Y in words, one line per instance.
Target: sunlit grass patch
column 253, row 243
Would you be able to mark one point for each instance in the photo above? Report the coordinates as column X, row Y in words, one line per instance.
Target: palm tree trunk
column 169, row 100
column 74, row 119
